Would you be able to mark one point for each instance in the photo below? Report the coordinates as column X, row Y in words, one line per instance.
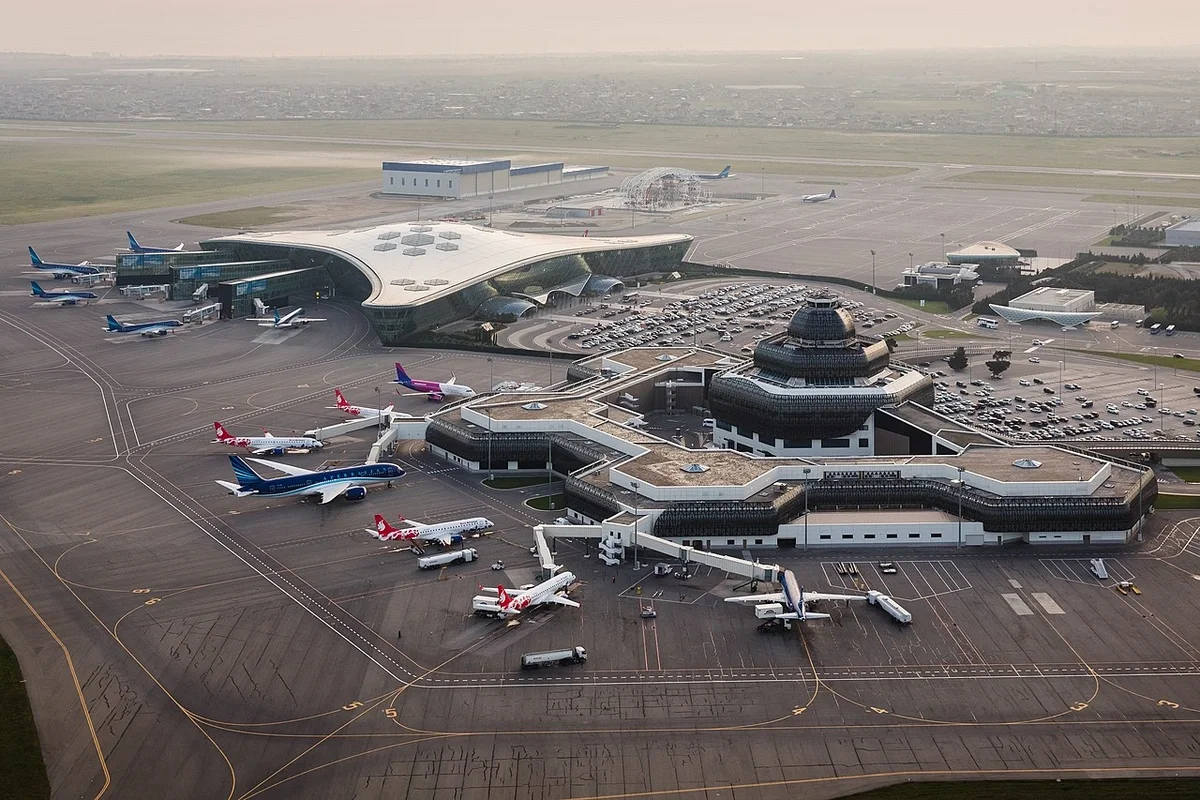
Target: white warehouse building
column 450, row 178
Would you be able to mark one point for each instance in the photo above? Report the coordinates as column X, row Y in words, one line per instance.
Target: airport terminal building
column 412, row 277
column 909, row 476
column 452, row 178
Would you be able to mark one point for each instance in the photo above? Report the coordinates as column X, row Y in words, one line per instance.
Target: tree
column 997, row 367
column 958, row 360
column 1002, row 355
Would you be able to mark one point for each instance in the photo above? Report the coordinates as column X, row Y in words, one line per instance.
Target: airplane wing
column 288, row 468
column 306, row 320
column 810, row 597
column 755, row 599
column 558, row 598
column 796, row 615
column 261, row 319
column 452, row 381
column 237, row 490
column 331, row 491
column 157, row 330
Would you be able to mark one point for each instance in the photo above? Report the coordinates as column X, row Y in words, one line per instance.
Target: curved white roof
column 1067, row 318
column 986, row 250
column 440, row 257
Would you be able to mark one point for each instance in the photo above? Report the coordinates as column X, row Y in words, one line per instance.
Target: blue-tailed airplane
column 61, row 270
column 62, row 297
column 791, row 603
column 715, row 176
column 160, row 328
column 327, row 484
column 141, row 248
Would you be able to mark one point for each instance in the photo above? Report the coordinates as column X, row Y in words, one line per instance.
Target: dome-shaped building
column 813, row 389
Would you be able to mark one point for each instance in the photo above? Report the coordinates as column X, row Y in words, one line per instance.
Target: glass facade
column 139, row 268
column 293, row 287
column 185, row 280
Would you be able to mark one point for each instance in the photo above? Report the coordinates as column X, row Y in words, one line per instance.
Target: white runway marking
column 1047, row 602
column 1017, row 604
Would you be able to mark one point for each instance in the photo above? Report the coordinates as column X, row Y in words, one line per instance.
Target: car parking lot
column 1092, row 401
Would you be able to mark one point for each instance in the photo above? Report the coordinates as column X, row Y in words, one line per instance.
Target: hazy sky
column 466, row 27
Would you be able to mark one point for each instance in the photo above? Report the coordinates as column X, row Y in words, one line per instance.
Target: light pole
column 491, row 385
column 762, row 188
column 550, row 471
column 379, row 411
column 1060, row 373
column 943, row 245
column 1160, row 406
column 960, row 495
column 874, row 290
column 807, row 470
column 910, row 256
column 636, row 519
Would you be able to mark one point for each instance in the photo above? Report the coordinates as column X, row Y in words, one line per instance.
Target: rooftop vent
column 665, row 357
column 420, row 228
column 694, row 468
column 450, row 235
column 390, row 235
column 383, row 246
column 417, row 239
column 413, row 251
column 403, row 282
column 447, row 246
column 416, row 287
column 534, row 406
column 436, row 281
column 1026, row 463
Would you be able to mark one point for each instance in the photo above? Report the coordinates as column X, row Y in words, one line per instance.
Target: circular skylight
column 1026, row 463
column 694, row 468
column 665, row 357
column 534, row 406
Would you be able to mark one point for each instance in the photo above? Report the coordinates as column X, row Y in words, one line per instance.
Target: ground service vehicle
column 553, row 658
column 445, row 559
column 1170, row 330
column 1155, row 328
column 1115, row 324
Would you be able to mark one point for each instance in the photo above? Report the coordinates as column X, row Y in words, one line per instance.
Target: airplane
column 160, row 328
column 716, row 176
column 141, row 248
column 288, row 320
column 327, row 484
column 444, row 533
column 791, row 603
column 64, row 297
column 61, row 270
column 819, row 198
column 437, row 392
column 260, row 445
column 359, row 411
column 508, row 605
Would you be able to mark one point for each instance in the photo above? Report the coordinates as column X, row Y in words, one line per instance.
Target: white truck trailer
column 445, row 559
column 553, row 658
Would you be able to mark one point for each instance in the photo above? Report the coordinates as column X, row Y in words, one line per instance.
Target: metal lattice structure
column 664, row 188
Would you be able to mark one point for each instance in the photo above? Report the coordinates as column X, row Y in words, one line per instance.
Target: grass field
column 45, row 181
column 1144, row 200
column 514, row 483
column 737, row 145
column 1165, row 362
column 1189, row 474
column 1169, row 501
column 245, row 217
column 931, row 306
column 22, row 773
column 945, row 334
column 547, row 502
column 1080, row 181
column 1124, row 789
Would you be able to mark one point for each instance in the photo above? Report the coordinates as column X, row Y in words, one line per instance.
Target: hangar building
column 452, row 178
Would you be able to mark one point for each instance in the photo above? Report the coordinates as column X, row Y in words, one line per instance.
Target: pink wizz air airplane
column 345, row 407
column 437, row 392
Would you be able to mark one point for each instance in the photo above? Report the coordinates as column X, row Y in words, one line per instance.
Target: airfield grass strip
column 22, row 773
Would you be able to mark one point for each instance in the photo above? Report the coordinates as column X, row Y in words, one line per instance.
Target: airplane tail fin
column 341, row 401
column 113, row 325
column 222, row 434
column 832, row 193
column 725, row 172
column 33, row 257
column 402, row 376
column 245, row 474
column 277, row 316
column 505, row 598
column 383, row 529
column 38, row 291
column 133, row 243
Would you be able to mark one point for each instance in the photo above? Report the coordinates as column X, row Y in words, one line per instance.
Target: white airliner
column 261, row 445
column 819, row 198
column 503, row 604
column 791, row 603
column 288, row 320
column 345, row 407
column 444, row 533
